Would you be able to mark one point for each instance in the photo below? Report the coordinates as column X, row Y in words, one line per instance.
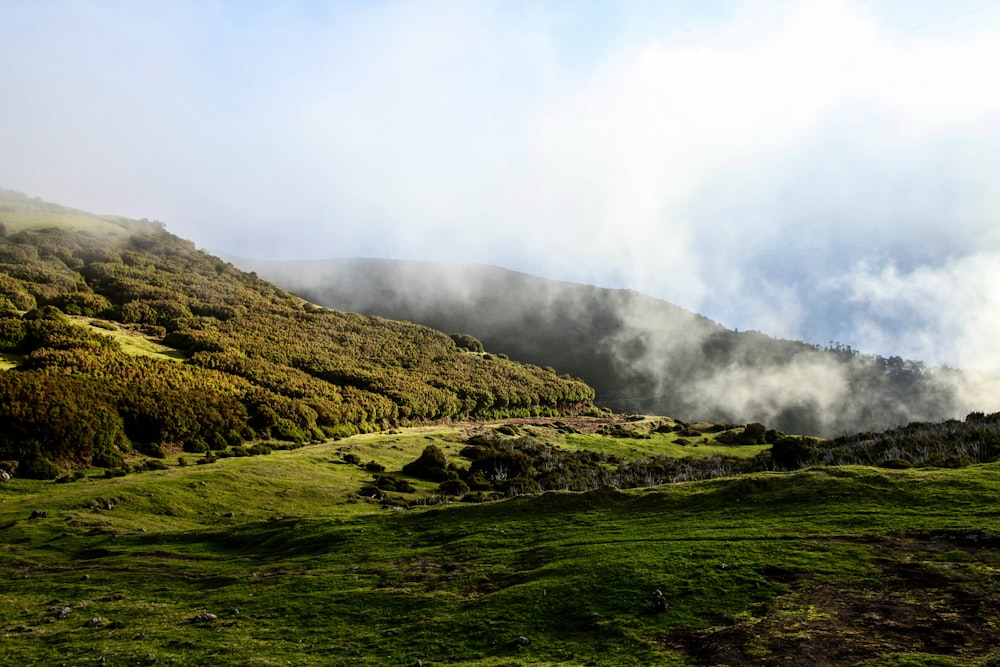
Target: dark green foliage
column 83, row 303
column 153, row 449
column 390, row 483
column 790, row 453
column 35, row 466
column 453, row 487
column 431, row 465
column 506, row 467
column 467, row 342
column 261, row 364
column 754, row 434
column 501, row 464
column 947, row 444
column 12, row 332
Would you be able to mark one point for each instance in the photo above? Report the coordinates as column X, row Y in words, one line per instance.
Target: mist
column 814, row 170
column 643, row 354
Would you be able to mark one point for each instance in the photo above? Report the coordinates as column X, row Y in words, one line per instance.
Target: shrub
column 453, row 487
column 467, row 342
column 195, row 446
column 895, row 464
column 431, row 465
column 370, row 491
column 37, row 467
column 499, row 465
column 753, row 434
column 153, row 449
column 154, row 464
column 477, row 482
column 390, row 483
column 791, row 453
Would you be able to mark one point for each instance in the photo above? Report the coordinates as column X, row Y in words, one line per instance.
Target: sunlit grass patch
column 9, row 360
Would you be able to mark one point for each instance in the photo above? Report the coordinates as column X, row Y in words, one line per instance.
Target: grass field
column 8, row 361
column 131, row 341
column 823, row 566
column 20, row 212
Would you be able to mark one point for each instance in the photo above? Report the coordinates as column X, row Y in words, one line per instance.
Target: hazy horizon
column 816, row 170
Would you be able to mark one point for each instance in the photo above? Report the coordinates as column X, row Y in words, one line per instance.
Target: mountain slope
column 644, row 354
column 258, row 361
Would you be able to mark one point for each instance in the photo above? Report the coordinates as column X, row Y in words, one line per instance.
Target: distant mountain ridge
column 644, row 354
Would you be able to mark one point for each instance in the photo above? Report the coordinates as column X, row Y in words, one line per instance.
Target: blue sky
column 822, row 170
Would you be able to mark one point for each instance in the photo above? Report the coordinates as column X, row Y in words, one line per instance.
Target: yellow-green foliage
column 259, row 362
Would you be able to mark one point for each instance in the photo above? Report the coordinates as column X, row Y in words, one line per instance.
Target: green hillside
column 96, row 311
column 280, row 560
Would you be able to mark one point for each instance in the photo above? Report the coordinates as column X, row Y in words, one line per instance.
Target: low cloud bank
column 644, row 354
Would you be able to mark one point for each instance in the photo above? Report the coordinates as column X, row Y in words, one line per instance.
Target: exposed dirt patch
column 585, row 425
column 923, row 602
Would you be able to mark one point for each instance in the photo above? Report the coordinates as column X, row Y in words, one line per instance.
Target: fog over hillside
column 813, row 169
column 645, row 354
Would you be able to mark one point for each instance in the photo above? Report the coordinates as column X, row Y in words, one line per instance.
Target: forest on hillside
column 258, row 363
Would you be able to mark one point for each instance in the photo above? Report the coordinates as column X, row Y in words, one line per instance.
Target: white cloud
column 949, row 312
column 737, row 165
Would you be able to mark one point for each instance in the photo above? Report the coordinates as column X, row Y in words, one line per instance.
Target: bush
column 389, row 483
column 37, row 467
column 753, row 434
column 467, row 342
column 499, row 465
column 154, row 464
column 453, row 487
column 370, row 491
column 792, row 453
column 431, row 465
column 195, row 446
column 153, row 449
column 477, row 482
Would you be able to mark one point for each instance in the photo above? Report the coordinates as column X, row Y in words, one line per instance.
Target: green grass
column 662, row 444
column 131, row 341
column 884, row 563
column 8, row 361
column 19, row 212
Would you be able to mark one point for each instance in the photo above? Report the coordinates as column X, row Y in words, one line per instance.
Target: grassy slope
column 828, row 566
